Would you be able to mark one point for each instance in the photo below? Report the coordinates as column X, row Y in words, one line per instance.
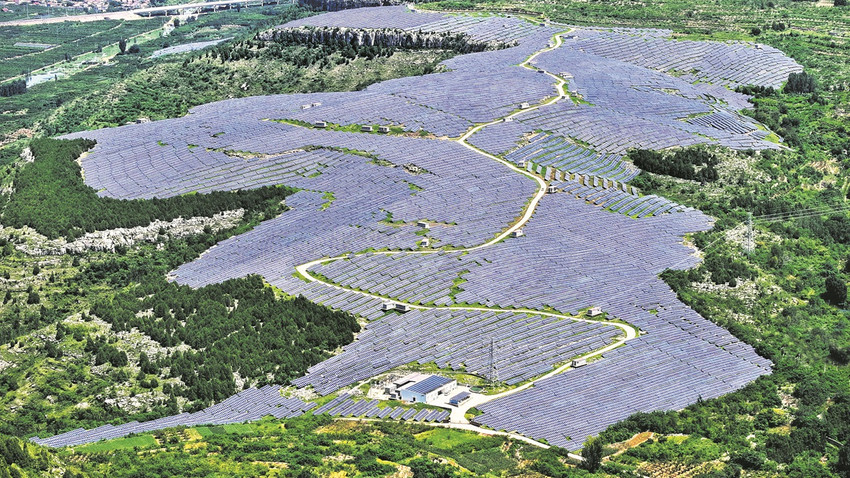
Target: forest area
column 241, row 328
column 88, row 337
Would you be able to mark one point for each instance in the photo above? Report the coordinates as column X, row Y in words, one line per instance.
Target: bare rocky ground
column 29, row 241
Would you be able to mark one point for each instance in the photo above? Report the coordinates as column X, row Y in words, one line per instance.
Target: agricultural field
column 25, row 49
column 314, row 445
column 623, row 228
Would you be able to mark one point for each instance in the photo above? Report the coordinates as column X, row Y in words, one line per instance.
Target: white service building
column 422, row 388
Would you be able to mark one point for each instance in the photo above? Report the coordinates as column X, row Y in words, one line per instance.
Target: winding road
column 458, row 418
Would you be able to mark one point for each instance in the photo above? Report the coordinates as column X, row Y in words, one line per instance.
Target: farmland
column 63, row 41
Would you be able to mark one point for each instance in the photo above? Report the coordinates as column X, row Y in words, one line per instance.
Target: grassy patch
column 129, row 443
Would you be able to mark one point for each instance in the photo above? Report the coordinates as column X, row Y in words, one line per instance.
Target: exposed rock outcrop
column 31, row 242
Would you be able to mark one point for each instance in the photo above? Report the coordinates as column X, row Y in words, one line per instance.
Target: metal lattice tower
column 494, row 374
column 749, row 244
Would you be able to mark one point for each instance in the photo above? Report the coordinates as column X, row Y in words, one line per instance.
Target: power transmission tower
column 749, row 245
column 494, row 374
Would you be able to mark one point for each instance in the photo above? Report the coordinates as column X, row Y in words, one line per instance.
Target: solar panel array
column 617, row 197
column 345, row 406
column 187, row 47
column 500, row 138
column 562, row 154
column 590, row 257
column 363, row 192
column 384, row 17
column 526, row 345
column 476, row 88
column 629, row 105
column 402, row 276
column 682, row 358
column 248, row 405
column 724, row 63
column 725, row 120
column 363, row 195
column 573, row 254
column 610, row 263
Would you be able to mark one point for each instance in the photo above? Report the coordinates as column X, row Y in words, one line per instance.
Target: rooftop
column 428, row 385
column 412, row 377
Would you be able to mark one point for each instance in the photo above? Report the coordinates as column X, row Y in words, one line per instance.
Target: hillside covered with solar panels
column 478, row 220
column 438, row 220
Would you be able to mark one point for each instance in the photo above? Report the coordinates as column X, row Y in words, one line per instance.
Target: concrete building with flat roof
column 421, row 388
column 428, row 390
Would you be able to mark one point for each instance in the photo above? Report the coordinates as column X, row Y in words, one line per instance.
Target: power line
column 682, row 262
column 784, row 216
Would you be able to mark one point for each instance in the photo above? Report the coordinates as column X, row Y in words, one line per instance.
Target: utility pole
column 749, row 245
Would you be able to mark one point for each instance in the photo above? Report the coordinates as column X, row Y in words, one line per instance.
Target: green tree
column 749, row 459
column 426, row 468
column 842, row 466
column 592, row 453
column 800, row 83
column 836, row 290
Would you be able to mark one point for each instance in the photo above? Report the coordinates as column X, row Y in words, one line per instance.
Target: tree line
column 17, row 87
column 305, row 48
column 340, row 38
column 696, row 164
column 19, row 459
column 800, row 83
